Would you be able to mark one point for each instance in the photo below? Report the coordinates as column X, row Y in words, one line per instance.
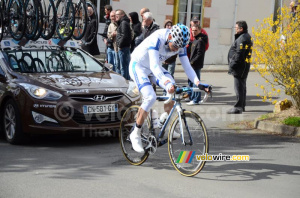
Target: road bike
column 182, row 151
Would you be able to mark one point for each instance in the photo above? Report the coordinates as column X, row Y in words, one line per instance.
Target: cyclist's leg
column 140, row 77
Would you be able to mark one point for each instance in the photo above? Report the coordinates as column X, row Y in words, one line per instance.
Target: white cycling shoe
column 136, row 141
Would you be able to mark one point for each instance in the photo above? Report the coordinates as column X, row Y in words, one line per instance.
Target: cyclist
column 145, row 67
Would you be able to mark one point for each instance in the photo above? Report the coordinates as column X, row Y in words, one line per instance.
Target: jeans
column 117, row 63
column 195, row 96
column 111, row 56
column 170, row 68
column 124, row 56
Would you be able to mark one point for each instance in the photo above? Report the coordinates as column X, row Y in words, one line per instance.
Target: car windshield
column 51, row 61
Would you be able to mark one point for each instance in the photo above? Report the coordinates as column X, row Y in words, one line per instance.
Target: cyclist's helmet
column 180, row 35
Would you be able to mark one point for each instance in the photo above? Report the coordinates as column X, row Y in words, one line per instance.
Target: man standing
column 149, row 27
column 197, row 59
column 92, row 48
column 239, row 64
column 123, row 42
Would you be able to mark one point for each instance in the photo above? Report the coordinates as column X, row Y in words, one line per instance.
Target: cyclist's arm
column 190, row 72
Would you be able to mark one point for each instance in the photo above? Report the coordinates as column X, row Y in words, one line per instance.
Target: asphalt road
column 94, row 166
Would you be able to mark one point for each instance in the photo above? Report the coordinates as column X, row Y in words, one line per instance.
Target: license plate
column 107, row 108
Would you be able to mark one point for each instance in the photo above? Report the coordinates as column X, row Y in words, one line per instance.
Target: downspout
column 175, row 11
column 234, row 19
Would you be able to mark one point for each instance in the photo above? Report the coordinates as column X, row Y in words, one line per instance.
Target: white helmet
column 180, row 35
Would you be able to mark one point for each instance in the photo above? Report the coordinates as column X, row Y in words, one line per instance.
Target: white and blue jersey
column 145, row 65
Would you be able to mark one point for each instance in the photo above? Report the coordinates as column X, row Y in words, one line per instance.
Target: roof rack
column 11, row 43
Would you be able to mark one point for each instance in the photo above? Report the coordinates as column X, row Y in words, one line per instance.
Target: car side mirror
column 108, row 65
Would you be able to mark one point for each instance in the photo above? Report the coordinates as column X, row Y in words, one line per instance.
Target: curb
column 277, row 128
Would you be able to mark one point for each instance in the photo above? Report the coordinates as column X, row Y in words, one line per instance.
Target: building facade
column 218, row 17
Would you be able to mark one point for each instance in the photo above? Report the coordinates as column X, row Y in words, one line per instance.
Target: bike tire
column 1, row 24
column 193, row 126
column 16, row 12
column 40, row 21
column 65, row 20
column 127, row 124
column 32, row 18
column 95, row 33
column 49, row 23
column 40, row 67
column 80, row 20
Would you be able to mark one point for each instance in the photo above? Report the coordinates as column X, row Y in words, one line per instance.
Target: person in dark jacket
column 239, row 64
column 136, row 26
column 93, row 47
column 197, row 59
column 150, row 27
column 123, row 42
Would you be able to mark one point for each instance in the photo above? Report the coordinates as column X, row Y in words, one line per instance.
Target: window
column 189, row 9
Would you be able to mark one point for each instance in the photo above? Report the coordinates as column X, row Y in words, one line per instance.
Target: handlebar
column 179, row 90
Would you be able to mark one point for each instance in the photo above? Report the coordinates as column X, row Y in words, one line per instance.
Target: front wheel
column 127, row 124
column 11, row 123
column 183, row 151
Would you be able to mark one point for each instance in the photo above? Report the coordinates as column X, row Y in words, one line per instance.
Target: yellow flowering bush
column 276, row 54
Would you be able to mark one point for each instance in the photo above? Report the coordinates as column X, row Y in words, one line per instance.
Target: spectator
column 111, row 35
column 239, row 66
column 197, row 59
column 123, row 42
column 136, row 26
column 150, row 27
column 92, row 48
column 142, row 11
column 108, row 43
column 195, row 21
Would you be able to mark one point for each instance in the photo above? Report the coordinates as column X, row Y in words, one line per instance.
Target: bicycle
column 193, row 135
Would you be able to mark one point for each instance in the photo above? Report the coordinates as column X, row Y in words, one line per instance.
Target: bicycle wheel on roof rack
column 65, row 19
column 88, row 39
column 32, row 18
column 80, row 19
column 16, row 19
column 49, row 22
column 1, row 24
column 40, row 21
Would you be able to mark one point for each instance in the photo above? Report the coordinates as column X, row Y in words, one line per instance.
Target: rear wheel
column 49, row 22
column 11, row 123
column 183, row 155
column 16, row 19
column 127, row 124
column 80, row 20
column 65, row 19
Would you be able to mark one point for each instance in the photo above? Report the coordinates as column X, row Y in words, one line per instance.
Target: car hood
column 90, row 80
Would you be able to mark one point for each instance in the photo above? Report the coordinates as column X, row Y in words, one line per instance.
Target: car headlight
column 40, row 92
column 132, row 90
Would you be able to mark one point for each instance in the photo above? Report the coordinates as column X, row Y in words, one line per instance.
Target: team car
column 50, row 88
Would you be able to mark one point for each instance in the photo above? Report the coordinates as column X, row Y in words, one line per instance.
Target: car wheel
column 11, row 123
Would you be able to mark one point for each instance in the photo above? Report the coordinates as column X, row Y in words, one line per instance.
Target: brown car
column 59, row 90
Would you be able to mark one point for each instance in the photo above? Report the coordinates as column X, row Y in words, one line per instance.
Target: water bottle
column 162, row 119
column 155, row 120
